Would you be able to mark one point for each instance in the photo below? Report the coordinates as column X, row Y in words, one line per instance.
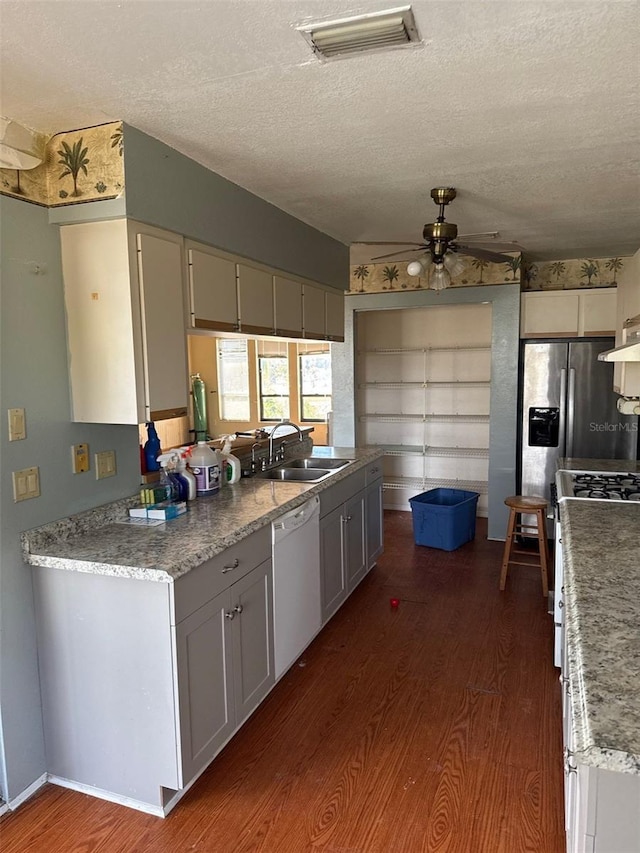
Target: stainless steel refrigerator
column 569, row 409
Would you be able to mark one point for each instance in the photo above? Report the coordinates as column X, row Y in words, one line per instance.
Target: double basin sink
column 311, row 469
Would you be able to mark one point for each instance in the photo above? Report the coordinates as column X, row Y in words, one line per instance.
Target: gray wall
column 167, row 189
column 33, row 374
column 505, row 301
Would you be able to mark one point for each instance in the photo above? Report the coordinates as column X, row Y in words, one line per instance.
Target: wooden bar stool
column 526, row 505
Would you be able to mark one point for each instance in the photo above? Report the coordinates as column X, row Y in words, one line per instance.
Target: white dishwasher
column 296, row 582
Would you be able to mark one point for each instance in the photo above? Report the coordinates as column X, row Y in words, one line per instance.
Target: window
column 315, row 385
column 273, row 378
column 233, row 379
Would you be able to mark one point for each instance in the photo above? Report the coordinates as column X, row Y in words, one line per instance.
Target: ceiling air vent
column 375, row 31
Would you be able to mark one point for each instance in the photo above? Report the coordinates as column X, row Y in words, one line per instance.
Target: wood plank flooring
column 432, row 727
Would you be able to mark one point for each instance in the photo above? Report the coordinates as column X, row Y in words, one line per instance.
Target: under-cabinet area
column 424, row 382
column 157, row 643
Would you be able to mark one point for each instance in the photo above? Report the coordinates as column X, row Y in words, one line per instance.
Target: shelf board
column 426, row 483
column 452, row 383
column 430, row 451
column 396, row 350
column 450, row 417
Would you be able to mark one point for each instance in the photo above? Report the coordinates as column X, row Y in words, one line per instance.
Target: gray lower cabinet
column 343, row 551
column 374, row 513
column 225, row 666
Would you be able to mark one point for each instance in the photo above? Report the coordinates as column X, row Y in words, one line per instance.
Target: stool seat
column 526, row 505
column 526, row 502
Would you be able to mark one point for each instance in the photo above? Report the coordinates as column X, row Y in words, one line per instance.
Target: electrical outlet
column 26, row 484
column 17, row 425
column 80, row 458
column 105, row 464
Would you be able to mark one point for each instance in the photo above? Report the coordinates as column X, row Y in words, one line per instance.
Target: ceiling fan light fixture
column 454, row 264
column 374, row 31
column 419, row 267
column 439, row 278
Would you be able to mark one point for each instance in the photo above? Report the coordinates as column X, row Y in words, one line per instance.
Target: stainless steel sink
column 295, row 474
column 318, row 462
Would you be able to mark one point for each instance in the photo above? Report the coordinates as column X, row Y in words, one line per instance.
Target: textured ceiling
column 530, row 109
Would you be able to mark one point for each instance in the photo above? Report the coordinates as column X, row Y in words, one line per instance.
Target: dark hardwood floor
column 435, row 726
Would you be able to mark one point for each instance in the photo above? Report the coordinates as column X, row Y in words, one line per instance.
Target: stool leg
column 507, row 548
column 544, row 554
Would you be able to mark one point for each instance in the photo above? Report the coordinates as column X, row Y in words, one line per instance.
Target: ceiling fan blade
column 484, row 236
column 395, row 254
column 482, row 254
column 385, row 243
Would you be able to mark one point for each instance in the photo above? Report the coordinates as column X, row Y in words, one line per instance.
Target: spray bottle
column 233, row 469
column 186, row 475
column 167, row 486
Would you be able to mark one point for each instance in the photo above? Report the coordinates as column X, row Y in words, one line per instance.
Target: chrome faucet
column 273, row 432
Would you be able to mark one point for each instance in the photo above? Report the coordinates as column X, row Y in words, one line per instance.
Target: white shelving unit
column 426, row 402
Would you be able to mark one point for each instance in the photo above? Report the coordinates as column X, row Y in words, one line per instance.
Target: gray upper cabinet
column 213, row 292
column 255, row 300
column 123, row 285
column 287, row 295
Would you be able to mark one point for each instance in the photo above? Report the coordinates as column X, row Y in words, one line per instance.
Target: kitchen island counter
column 614, row 466
column 101, row 541
column 601, row 547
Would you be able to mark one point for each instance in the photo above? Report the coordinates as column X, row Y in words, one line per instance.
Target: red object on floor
column 395, row 603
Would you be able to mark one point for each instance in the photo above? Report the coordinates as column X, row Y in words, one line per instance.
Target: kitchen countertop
column 97, row 542
column 624, row 466
column 601, row 551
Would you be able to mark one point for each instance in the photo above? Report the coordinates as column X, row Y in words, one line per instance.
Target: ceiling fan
column 441, row 246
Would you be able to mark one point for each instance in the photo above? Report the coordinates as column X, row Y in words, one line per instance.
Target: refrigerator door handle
column 571, row 407
column 563, row 411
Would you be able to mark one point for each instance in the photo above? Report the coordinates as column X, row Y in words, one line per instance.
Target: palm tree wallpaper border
column 80, row 166
column 546, row 275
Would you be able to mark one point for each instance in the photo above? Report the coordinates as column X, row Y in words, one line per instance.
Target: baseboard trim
column 139, row 805
column 3, row 808
column 13, row 804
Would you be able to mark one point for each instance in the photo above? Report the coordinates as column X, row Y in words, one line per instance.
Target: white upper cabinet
column 255, row 300
column 334, row 305
column 626, row 375
column 123, row 284
column 213, row 292
column 568, row 313
column 287, row 295
column 313, row 316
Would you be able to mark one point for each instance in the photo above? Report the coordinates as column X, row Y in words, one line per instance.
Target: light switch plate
column 17, row 425
column 80, row 458
column 105, row 464
column 26, row 484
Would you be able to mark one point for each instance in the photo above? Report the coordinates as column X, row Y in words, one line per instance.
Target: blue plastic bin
column 444, row 518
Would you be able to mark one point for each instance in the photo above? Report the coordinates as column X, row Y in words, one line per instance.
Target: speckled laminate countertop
column 601, row 554
column 624, row 466
column 95, row 541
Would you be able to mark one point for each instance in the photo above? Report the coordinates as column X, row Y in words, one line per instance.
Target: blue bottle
column 152, row 448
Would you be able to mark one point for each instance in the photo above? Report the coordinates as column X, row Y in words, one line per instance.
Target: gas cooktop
column 598, row 485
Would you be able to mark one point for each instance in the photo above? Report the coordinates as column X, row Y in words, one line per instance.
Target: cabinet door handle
column 561, row 604
column 568, row 766
column 238, row 608
column 229, row 614
column 374, row 470
column 230, row 568
column 347, row 518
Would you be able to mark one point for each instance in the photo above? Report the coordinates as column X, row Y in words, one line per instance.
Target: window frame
column 302, row 397
column 261, row 396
